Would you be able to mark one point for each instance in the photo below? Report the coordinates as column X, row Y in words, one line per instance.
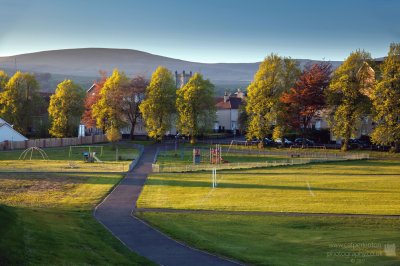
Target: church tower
column 182, row 78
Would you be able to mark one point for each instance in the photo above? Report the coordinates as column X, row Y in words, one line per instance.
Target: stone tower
column 182, row 79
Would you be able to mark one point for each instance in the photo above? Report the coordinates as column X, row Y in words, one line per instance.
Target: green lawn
column 125, row 152
column 175, row 158
column 46, row 219
column 371, row 187
column 274, row 240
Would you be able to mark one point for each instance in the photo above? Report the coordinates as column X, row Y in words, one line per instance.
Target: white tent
column 8, row 133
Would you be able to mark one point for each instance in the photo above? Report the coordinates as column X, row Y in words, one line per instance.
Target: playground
column 89, row 158
column 208, row 157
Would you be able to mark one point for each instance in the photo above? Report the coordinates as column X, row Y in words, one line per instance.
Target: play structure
column 90, row 157
column 89, row 153
column 216, row 155
column 85, row 149
column 31, row 151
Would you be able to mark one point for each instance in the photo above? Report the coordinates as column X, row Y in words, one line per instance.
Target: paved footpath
column 115, row 213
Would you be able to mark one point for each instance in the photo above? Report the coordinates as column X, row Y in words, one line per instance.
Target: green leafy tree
column 195, row 104
column 20, row 101
column 65, row 109
column 347, row 96
column 158, row 108
column 243, row 117
column 108, row 110
column 274, row 77
column 386, row 101
column 3, row 80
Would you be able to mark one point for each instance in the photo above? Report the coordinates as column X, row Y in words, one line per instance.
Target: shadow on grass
column 100, row 179
column 180, row 183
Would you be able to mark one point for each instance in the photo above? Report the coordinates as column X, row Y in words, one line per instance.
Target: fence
column 52, row 142
column 136, row 160
column 158, row 168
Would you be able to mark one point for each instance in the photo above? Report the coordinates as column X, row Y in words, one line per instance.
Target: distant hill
column 87, row 62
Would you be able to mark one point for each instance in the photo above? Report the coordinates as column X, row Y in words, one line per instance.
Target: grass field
column 274, row 240
column 125, row 151
column 367, row 186
column 64, row 159
column 46, row 219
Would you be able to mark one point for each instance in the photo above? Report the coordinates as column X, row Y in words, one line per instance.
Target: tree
column 195, row 104
column 3, row 80
column 274, row 76
column 20, row 101
column 91, row 98
column 243, row 117
column 65, row 109
column 386, row 101
column 113, row 135
column 347, row 96
column 132, row 97
column 107, row 110
column 158, row 108
column 306, row 98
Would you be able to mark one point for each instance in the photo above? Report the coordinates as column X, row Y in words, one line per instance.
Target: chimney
column 226, row 97
column 240, row 94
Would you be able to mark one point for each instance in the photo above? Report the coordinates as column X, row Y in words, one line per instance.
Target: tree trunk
column 132, row 132
column 345, row 144
column 396, row 147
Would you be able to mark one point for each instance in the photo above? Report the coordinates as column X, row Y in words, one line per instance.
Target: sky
column 207, row 31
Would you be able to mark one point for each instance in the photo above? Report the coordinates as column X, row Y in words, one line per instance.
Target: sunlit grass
column 61, row 166
column 274, row 240
column 46, row 219
column 370, row 187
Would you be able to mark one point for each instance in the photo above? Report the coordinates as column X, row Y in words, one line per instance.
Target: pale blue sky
column 203, row 31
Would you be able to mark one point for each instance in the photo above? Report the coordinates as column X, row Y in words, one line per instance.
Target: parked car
column 268, row 142
column 357, row 144
column 308, row 142
column 286, row 142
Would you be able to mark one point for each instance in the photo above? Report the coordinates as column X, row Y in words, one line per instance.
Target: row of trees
column 113, row 103
column 283, row 98
column 191, row 106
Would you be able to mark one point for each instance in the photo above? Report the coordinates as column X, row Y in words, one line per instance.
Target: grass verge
column 274, row 240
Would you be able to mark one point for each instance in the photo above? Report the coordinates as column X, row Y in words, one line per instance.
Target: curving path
column 115, row 213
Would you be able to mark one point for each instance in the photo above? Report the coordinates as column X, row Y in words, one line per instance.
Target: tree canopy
column 386, row 101
column 65, row 109
column 91, row 98
column 306, row 98
column 107, row 110
column 347, row 98
column 132, row 96
column 195, row 105
column 274, row 76
column 20, row 101
column 3, row 80
column 158, row 108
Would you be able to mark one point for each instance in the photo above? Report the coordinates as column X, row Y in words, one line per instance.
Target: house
column 8, row 133
column 228, row 112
